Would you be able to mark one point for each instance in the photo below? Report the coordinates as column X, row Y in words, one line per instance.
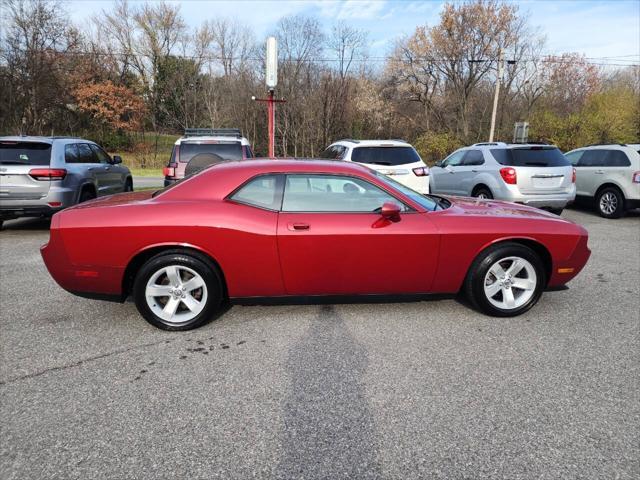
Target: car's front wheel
column 177, row 291
column 505, row 280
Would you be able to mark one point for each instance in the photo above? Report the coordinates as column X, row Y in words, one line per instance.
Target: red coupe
column 289, row 230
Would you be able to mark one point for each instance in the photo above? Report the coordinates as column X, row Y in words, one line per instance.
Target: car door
column 442, row 178
column 582, row 175
column 332, row 240
column 464, row 175
column 590, row 170
column 93, row 168
column 114, row 174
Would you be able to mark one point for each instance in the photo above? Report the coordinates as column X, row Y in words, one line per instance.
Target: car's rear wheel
column 482, row 192
column 610, row 203
column 177, row 291
column 505, row 280
column 86, row 194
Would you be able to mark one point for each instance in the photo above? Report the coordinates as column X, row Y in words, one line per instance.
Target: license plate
column 547, row 182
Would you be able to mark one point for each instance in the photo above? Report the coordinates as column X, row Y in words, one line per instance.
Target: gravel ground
column 410, row 390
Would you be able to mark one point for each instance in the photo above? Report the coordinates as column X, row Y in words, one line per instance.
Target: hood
column 497, row 208
column 117, row 199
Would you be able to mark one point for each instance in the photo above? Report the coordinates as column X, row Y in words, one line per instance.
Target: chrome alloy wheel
column 510, row 283
column 608, row 203
column 176, row 294
column 482, row 195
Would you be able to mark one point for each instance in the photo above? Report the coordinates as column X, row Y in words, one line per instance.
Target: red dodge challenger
column 287, row 230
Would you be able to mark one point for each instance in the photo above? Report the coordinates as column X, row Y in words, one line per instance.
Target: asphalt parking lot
column 409, row 390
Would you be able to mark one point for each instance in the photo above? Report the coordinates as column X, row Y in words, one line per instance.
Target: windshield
column 385, row 155
column 25, row 153
column 228, row 150
column 428, row 202
column 530, row 157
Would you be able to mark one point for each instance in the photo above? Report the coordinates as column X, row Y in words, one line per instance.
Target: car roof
column 215, row 138
column 50, row 140
column 608, row 146
column 311, row 165
column 506, row 146
column 371, row 143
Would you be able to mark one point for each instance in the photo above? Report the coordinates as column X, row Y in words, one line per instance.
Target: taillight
column 169, row 171
column 573, row 176
column 48, row 173
column 509, row 175
column 421, row 171
column 636, row 177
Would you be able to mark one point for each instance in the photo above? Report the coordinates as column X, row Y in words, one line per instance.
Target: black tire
column 474, row 287
column 86, row 194
column 128, row 185
column 482, row 192
column 610, row 203
column 208, row 273
column 1, row 223
column 556, row 211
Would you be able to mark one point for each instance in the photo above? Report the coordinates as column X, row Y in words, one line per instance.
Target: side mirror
column 116, row 159
column 390, row 211
column 438, row 164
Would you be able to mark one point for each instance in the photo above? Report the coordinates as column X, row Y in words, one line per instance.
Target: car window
column 473, row 157
column 71, row 153
column 455, row 159
column 102, row 157
column 86, row 155
column 335, row 152
column 24, row 153
column 226, row 150
column 617, row 158
column 530, row 157
column 333, row 193
column 574, row 157
column 593, row 158
column 428, row 202
column 247, row 152
column 385, row 155
column 262, row 192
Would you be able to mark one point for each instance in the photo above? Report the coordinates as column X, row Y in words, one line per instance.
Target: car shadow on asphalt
column 26, row 224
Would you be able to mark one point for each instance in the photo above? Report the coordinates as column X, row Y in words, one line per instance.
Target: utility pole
column 497, row 94
column 271, row 78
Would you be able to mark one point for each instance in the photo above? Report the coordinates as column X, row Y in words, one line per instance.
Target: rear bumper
column 7, row 213
column 540, row 200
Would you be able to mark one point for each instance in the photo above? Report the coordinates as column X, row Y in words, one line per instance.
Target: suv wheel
column 128, row 185
column 176, row 291
column 610, row 203
column 505, row 280
column 482, row 192
column 86, row 194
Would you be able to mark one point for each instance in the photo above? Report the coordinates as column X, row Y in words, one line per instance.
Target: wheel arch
column 480, row 185
column 142, row 256
column 609, row 184
column 86, row 185
column 538, row 247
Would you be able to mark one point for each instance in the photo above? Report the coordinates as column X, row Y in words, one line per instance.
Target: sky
column 596, row 28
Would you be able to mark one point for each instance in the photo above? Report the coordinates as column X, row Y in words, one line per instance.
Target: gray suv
column 42, row 175
column 532, row 174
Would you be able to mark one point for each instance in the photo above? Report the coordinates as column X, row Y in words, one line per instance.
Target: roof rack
column 486, row 144
column 603, row 144
column 351, row 140
column 222, row 132
column 398, row 140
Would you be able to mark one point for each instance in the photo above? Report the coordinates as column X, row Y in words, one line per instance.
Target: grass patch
column 145, row 172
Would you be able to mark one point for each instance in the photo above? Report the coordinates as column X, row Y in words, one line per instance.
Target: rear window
column 385, row 155
column 227, row 150
column 530, row 157
column 25, row 153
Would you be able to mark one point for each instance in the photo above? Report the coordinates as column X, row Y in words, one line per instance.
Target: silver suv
column 608, row 175
column 536, row 175
column 41, row 175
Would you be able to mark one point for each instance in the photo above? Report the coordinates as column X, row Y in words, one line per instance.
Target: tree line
column 137, row 70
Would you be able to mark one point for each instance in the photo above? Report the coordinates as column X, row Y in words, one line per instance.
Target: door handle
column 107, row 168
column 90, row 169
column 294, row 227
column 474, row 170
column 600, row 172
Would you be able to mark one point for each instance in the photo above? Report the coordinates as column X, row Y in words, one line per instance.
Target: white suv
column 395, row 158
column 608, row 175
